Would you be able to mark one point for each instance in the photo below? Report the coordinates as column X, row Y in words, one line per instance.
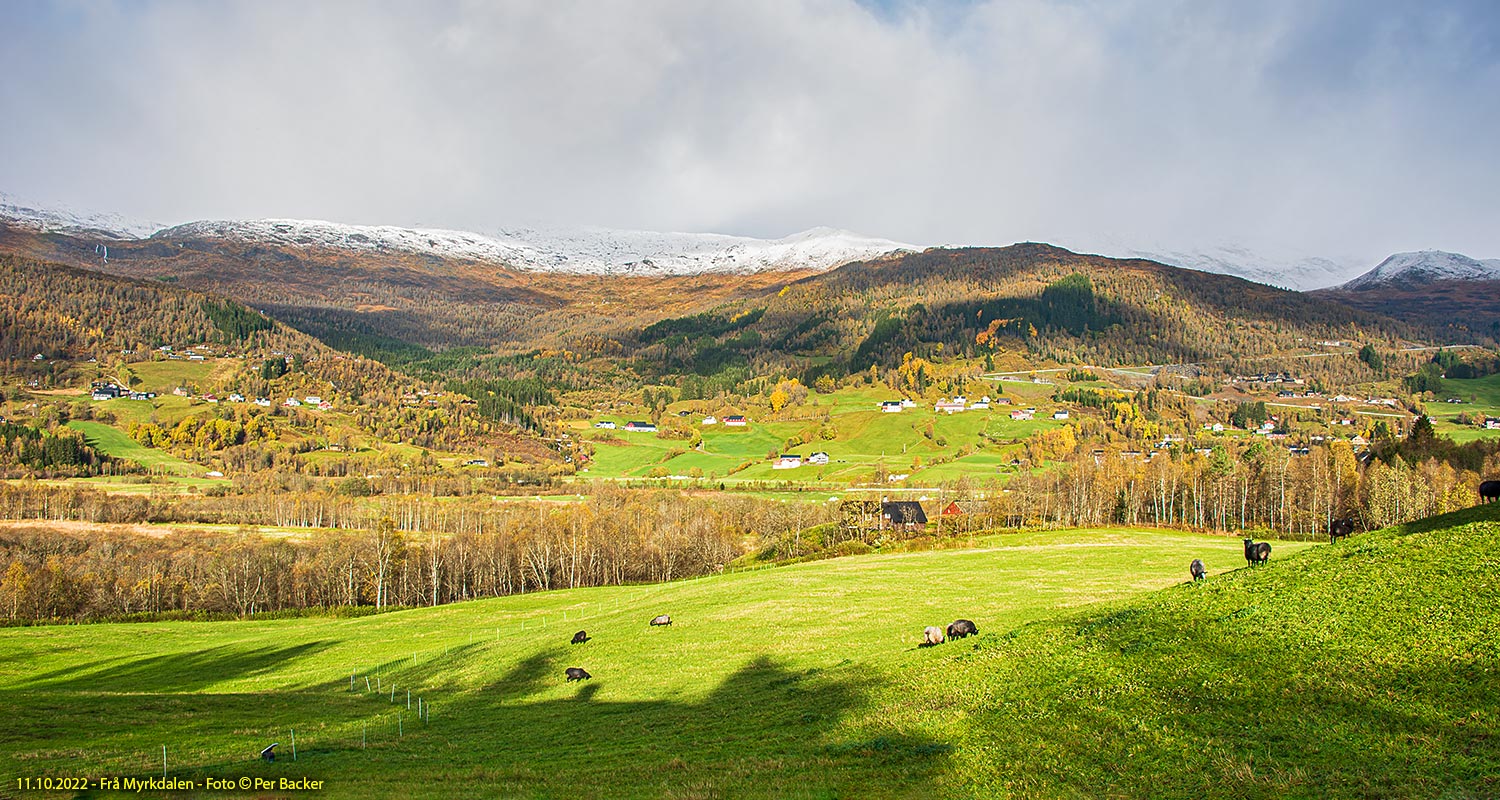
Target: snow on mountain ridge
column 1426, row 266
column 62, row 219
column 1276, row 266
column 582, row 250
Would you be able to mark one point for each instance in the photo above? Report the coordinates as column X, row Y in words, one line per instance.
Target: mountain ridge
column 1421, row 267
column 585, row 251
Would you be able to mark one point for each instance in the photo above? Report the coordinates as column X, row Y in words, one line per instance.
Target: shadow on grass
column 764, row 730
column 1296, row 680
column 174, row 672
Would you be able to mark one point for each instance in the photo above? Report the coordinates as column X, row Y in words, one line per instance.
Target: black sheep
column 578, row 674
column 960, row 628
column 1197, row 569
column 1489, row 490
column 1256, row 552
column 1339, row 529
column 580, row 637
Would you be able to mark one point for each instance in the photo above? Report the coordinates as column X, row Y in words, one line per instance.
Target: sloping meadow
column 1359, row 669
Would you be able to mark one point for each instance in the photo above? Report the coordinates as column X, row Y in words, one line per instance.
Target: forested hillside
column 186, row 367
column 1036, row 301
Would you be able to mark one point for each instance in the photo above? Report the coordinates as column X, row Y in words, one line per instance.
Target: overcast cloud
column 1346, row 129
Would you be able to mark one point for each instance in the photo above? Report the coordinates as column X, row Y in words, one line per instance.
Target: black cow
column 1257, row 552
column 580, row 637
column 961, row 628
column 1489, row 490
column 578, row 674
column 1340, row 529
column 1197, row 569
column 662, row 620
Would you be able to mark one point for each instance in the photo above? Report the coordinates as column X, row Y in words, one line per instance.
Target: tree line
column 398, row 553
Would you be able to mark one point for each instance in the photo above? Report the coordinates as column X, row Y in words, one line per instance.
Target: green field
column 164, row 376
column 791, row 681
column 113, row 442
column 1363, row 669
column 863, row 438
column 1480, row 395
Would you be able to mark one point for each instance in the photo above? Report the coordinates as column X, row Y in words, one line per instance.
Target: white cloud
column 1329, row 128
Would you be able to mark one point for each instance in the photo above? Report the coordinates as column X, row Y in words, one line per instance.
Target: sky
column 1348, row 129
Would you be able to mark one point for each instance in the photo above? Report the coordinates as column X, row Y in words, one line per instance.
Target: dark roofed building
column 903, row 514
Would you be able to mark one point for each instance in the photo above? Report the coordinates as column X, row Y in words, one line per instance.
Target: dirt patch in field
column 83, row 528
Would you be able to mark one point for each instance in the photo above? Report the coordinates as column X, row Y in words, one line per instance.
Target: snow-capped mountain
column 1300, row 274
column 52, row 218
column 1272, row 266
column 1426, row 266
column 580, row 251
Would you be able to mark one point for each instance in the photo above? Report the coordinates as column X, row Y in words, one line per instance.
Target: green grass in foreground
column 1362, row 669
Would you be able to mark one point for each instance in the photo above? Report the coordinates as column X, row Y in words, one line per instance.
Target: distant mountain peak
column 1423, row 267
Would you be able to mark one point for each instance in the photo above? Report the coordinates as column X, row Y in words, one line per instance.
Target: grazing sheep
column 1199, row 573
column 1256, row 552
column 961, row 628
column 580, row 637
column 1489, row 490
column 578, row 674
column 932, row 635
column 1339, row 529
column 662, row 620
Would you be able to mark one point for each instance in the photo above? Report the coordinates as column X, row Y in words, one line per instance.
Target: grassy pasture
column 863, row 438
column 784, row 682
column 113, row 442
column 1480, row 395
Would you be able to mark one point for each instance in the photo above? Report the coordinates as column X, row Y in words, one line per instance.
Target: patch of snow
column 62, row 219
column 1272, row 265
column 598, row 251
column 1426, row 266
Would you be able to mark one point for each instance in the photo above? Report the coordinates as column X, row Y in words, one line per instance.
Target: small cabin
column 710, row 420
column 640, row 427
column 905, row 515
column 891, row 407
column 736, row 421
column 605, row 424
column 787, row 461
column 818, row 458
